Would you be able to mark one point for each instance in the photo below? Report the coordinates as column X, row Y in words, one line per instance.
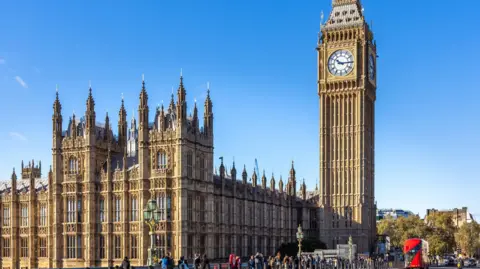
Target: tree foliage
column 438, row 230
column 441, row 234
column 308, row 245
column 401, row 229
column 467, row 237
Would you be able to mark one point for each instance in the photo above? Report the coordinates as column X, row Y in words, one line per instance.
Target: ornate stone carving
column 104, row 227
column 24, row 230
column 117, row 227
column 42, row 230
column 6, row 230
column 134, row 227
column 71, row 228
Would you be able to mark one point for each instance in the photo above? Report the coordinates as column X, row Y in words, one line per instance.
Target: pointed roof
column 344, row 14
column 57, row 107
column 90, row 101
column 143, row 94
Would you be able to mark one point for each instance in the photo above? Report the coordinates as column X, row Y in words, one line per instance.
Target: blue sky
column 260, row 59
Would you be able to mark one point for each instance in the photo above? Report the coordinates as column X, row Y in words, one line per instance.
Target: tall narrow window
column 118, row 209
column 42, row 244
column 202, row 243
column 202, row 168
column 6, row 247
column 202, row 212
column 117, row 247
column 134, row 247
column 189, row 164
column 161, row 160
column 161, row 205
column 190, row 246
column 74, row 247
column 24, row 247
column 43, row 215
column 190, row 208
column 73, row 166
column 6, row 216
column 71, row 209
column 79, row 209
column 79, row 246
column 101, row 253
column 218, row 213
column 134, row 205
column 24, row 220
column 102, row 210
column 168, row 207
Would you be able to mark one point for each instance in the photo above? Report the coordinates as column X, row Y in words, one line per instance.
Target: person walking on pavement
column 125, row 263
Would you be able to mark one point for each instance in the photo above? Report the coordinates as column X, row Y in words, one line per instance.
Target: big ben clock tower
column 347, row 91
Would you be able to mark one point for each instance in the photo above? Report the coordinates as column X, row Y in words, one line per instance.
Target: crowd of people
column 259, row 261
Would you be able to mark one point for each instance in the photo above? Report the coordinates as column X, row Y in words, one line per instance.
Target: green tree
column 467, row 238
column 441, row 234
column 308, row 245
column 401, row 229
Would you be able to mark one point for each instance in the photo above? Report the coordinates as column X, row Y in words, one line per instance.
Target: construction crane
column 256, row 167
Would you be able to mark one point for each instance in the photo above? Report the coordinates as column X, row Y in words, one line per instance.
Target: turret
column 161, row 119
column 14, row 182
column 57, row 121
column 122, row 125
column 303, row 190
column 172, row 107
column 280, row 185
column 272, row 183
column 233, row 173
column 208, row 114
column 264, row 180
column 143, row 112
column 90, row 114
column 181, row 102
column 195, row 116
column 222, row 170
column 132, row 141
column 254, row 179
column 244, row 175
column 143, row 131
column 292, row 182
column 106, row 135
column 31, row 189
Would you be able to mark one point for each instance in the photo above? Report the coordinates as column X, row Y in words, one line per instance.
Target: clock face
column 341, row 63
column 371, row 67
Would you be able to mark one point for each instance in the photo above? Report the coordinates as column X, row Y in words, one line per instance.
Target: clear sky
column 260, row 59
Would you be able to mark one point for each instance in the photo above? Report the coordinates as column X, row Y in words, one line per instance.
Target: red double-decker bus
column 416, row 253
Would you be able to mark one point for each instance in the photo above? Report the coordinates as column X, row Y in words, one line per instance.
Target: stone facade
column 347, row 93
column 459, row 216
column 88, row 211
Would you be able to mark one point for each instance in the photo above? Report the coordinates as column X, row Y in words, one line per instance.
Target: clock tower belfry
column 347, row 92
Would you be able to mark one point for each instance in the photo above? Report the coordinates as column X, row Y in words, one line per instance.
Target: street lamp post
column 151, row 216
column 299, row 238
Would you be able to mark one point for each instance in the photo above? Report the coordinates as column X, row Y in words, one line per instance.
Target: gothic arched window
column 189, row 164
column 202, row 164
column 73, row 166
column 161, row 160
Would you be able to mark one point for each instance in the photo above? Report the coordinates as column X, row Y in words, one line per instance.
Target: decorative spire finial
column 56, row 88
column 143, row 77
column 122, row 96
column 181, row 72
column 90, row 84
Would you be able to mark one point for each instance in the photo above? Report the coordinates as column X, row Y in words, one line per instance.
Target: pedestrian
column 182, row 263
column 125, row 263
column 205, row 262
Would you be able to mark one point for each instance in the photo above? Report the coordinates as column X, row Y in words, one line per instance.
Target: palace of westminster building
column 87, row 211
